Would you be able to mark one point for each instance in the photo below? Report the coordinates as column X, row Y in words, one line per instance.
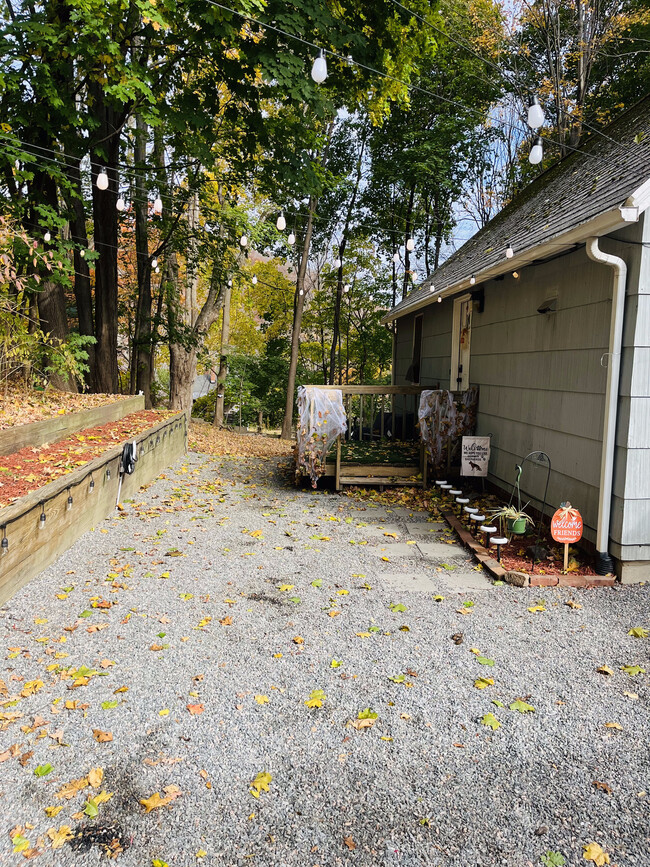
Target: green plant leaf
column 638, row 632
column 398, row 678
column 490, row 720
column 522, row 706
column 484, row 660
column 336, row 663
column 632, row 670
column 398, row 607
column 108, row 705
column 367, row 713
column 552, row 859
column 43, row 770
column 318, row 582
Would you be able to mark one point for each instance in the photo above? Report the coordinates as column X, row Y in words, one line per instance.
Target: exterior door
column 460, row 343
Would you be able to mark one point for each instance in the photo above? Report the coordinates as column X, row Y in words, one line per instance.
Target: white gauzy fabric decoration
column 443, row 417
column 321, row 418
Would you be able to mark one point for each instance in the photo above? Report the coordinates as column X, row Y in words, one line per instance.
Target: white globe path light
column 102, row 180
column 536, row 154
column 281, row 223
column 319, row 68
column 535, row 114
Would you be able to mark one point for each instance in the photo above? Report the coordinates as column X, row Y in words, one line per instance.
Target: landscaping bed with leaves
column 212, row 441
column 24, row 406
column 32, row 467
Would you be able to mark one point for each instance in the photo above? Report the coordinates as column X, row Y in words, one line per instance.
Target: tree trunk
column 407, row 234
column 142, row 367
column 82, row 285
column 51, row 312
column 223, row 359
column 105, row 375
column 297, row 321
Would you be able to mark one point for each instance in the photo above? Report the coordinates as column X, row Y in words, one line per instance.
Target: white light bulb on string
column 102, row 180
column 291, row 240
column 414, row 276
column 47, row 237
column 337, row 264
column 515, row 274
column 319, row 68
column 346, row 288
column 432, row 288
column 281, row 223
column 230, row 282
column 254, row 280
column 509, row 251
column 301, row 292
column 535, row 114
column 157, row 205
column 82, row 253
column 243, row 241
column 396, row 258
column 154, row 263
column 120, row 204
column 410, row 244
column 439, row 299
column 536, row 154
column 472, row 280
column 156, row 270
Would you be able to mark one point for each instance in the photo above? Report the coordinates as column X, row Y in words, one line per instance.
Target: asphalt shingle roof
column 607, row 169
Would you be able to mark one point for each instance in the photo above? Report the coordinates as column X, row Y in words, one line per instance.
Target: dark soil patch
column 111, row 840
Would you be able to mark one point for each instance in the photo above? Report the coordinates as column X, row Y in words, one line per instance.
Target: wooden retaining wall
column 31, row 549
column 51, row 430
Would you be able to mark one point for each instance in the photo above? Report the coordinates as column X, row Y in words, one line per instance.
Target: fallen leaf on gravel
column 633, row 695
column 349, row 842
column 490, row 720
column 69, row 790
column 483, row 682
column 109, row 705
column 484, row 660
column 157, row 647
column 638, row 632
column 226, row 621
column 95, row 776
column 614, row 725
column 195, row 709
column 333, row 613
column 298, row 640
column 43, row 770
column 336, row 663
column 464, row 611
column 398, row 607
column 359, row 724
column 605, row 669
column 362, row 634
column 24, row 759
column 522, row 706
column 602, row 786
column 10, row 753
column 405, row 716
column 61, row 836
column 316, row 698
column 106, row 663
column 572, row 604
column 51, row 812
column 157, row 800
column 262, row 699
column 595, row 853
column 632, row 670
column 102, row 737
column 283, row 588
column 260, row 784
column 535, row 609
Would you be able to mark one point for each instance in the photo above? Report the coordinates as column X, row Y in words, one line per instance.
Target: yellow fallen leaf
column 277, row 656
column 385, row 559
column 483, row 682
column 51, row 812
column 69, row 790
column 298, row 639
column 164, row 712
column 95, row 776
column 595, row 853
column 260, row 784
column 333, row 613
column 391, row 535
column 284, row 588
column 614, row 725
column 605, row 669
column 157, row 800
column 201, row 853
column 536, row 608
column 61, row 836
column 262, row 699
column 362, row 634
column 633, row 695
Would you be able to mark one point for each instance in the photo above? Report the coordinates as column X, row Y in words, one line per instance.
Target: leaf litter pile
column 226, row 672
column 212, row 441
column 32, row 467
column 19, row 406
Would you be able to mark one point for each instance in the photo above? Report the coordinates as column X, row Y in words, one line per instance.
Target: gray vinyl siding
column 542, row 383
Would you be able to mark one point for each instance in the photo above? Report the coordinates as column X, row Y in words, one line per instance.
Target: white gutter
column 604, row 563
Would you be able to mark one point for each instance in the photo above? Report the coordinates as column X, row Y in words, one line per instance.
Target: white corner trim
column 639, row 199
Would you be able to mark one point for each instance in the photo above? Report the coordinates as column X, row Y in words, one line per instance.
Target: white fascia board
column 640, row 198
column 603, row 224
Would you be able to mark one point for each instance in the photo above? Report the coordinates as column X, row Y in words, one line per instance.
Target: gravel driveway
column 176, row 646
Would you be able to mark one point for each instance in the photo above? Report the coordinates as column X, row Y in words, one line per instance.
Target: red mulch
column 31, row 468
column 513, row 556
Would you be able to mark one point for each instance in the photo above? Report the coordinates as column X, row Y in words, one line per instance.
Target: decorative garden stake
column 566, row 527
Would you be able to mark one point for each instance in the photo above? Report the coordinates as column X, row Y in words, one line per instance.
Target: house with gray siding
column 547, row 310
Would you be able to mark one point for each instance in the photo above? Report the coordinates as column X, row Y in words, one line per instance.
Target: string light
column 535, row 114
column 154, row 262
column 108, row 472
column 156, row 270
column 69, row 502
column 102, row 180
column 509, row 251
column 439, row 299
column 82, row 253
column 414, row 276
column 291, row 240
column 47, row 237
column 536, row 152
column 243, row 241
column 346, row 288
column 319, row 68
column 254, row 280
column 120, row 204
column 396, row 258
column 410, row 244
column 92, row 484
column 281, row 223
column 301, row 292
column 42, row 519
column 515, row 274
column 432, row 288
column 472, row 280
column 158, row 205
column 337, row 264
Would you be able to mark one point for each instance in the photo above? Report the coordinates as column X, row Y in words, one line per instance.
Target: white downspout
column 605, row 564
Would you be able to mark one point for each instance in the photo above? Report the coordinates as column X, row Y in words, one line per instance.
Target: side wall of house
column 542, row 380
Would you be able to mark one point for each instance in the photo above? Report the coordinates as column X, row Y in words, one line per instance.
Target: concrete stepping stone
column 378, row 531
column 396, row 549
column 408, row 514
column 441, row 551
column 413, row 582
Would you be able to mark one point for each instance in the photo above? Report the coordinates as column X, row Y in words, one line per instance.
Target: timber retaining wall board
column 31, row 549
column 51, row 430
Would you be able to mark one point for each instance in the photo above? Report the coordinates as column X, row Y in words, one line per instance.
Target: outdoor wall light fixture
column 535, row 114
column 281, row 223
column 108, row 472
column 548, row 306
column 319, row 68
column 536, row 152
column 102, row 180
column 478, row 297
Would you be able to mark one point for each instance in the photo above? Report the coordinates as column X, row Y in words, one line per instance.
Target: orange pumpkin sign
column 566, row 524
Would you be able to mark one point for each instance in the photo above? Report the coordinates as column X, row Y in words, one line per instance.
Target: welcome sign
column 475, row 456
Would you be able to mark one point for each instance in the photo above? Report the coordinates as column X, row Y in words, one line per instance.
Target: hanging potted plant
column 516, row 519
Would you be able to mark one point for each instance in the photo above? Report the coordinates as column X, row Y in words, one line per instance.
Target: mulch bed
column 31, row 468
